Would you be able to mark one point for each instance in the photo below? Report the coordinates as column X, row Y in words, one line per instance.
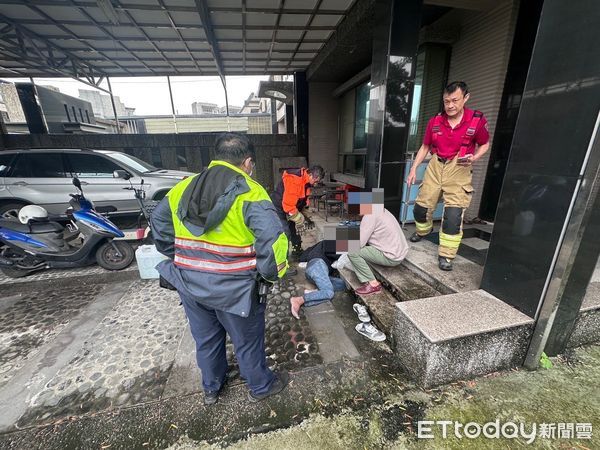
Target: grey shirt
column 383, row 232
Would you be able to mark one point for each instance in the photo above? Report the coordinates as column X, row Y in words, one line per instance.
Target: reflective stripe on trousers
column 452, row 182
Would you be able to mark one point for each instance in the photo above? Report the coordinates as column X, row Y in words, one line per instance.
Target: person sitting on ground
column 381, row 242
column 317, row 272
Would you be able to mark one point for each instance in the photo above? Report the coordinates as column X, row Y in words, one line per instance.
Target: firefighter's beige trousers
column 451, row 182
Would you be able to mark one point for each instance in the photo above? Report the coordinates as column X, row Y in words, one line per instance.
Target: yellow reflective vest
column 250, row 237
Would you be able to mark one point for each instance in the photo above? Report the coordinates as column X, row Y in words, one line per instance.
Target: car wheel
column 11, row 210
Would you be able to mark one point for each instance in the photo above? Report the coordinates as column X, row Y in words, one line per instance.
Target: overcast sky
column 150, row 95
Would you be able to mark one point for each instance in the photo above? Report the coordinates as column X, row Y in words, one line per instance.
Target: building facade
column 102, row 105
column 47, row 110
column 11, row 103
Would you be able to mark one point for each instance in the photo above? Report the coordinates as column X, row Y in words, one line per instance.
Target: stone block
column 459, row 336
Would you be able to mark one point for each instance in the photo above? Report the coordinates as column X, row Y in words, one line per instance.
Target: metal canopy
column 92, row 39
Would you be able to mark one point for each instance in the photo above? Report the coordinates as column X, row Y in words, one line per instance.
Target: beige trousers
column 451, row 182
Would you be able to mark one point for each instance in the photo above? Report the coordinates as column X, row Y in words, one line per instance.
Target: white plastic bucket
column 147, row 258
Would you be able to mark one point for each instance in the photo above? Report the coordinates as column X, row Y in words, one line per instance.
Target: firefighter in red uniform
column 457, row 138
column 291, row 199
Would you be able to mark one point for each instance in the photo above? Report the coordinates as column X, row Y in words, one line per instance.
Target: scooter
column 46, row 244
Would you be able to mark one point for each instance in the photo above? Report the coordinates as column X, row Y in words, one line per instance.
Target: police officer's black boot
column 282, row 379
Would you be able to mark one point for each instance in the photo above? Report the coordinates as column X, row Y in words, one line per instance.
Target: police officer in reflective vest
column 222, row 235
column 457, row 138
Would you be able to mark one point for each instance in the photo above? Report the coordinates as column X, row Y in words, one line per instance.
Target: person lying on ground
column 317, row 272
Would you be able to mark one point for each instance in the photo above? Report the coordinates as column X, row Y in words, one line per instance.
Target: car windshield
column 133, row 162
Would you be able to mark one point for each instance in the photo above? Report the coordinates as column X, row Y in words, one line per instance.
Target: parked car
column 44, row 177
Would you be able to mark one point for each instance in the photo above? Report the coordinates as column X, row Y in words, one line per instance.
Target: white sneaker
column 363, row 315
column 370, row 331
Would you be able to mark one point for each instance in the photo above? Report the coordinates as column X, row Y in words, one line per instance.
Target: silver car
column 44, row 177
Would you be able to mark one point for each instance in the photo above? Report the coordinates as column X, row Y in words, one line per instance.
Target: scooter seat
column 33, row 228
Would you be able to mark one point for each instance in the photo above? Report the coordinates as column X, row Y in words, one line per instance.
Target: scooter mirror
column 77, row 183
column 121, row 174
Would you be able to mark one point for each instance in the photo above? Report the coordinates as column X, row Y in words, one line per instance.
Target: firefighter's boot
column 445, row 263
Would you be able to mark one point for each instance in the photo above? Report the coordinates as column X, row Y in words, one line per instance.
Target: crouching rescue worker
column 223, row 239
column 291, row 199
column 457, row 138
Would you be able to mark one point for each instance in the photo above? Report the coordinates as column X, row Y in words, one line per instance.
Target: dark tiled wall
column 555, row 124
column 395, row 40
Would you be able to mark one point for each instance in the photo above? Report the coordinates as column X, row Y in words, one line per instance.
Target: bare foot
column 295, row 305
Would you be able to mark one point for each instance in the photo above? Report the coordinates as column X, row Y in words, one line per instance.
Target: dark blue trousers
column 208, row 327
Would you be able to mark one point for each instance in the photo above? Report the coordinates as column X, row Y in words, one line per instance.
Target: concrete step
column 403, row 283
column 422, row 259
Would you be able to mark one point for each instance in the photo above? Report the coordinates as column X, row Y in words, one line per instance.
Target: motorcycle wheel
column 23, row 260
column 14, row 273
column 107, row 257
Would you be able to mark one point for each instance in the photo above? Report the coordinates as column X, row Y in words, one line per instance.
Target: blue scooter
column 46, row 244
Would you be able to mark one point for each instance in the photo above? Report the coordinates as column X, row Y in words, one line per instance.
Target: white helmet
column 32, row 212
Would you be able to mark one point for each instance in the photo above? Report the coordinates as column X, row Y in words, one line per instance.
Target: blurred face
column 313, row 179
column 370, row 208
column 454, row 103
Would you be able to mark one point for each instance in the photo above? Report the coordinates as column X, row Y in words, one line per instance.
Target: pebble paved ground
column 127, row 358
column 289, row 342
column 34, row 319
column 123, row 361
